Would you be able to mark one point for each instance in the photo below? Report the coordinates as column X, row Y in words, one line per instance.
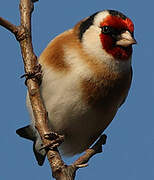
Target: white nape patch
column 100, row 17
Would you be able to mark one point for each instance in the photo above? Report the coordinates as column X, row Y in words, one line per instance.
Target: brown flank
column 105, row 91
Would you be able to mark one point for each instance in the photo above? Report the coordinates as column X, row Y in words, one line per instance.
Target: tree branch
column 6, row 24
column 60, row 170
column 97, row 148
column 23, row 35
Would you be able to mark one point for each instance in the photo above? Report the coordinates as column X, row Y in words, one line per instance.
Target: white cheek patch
column 92, row 44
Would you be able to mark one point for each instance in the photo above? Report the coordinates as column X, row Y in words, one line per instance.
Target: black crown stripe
column 117, row 13
column 86, row 24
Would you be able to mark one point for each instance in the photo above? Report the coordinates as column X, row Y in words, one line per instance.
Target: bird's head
column 106, row 34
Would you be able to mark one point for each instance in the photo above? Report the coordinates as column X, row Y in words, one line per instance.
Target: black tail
column 29, row 133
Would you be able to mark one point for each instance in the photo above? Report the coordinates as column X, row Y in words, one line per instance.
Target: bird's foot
column 35, row 75
column 56, row 140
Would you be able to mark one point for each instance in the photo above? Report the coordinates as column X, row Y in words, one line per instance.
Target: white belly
column 68, row 115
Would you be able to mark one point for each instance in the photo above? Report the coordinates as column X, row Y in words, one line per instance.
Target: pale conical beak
column 126, row 39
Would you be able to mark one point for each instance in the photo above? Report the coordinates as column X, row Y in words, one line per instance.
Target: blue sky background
column 129, row 152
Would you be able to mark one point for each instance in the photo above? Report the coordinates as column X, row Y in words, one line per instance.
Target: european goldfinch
column 87, row 74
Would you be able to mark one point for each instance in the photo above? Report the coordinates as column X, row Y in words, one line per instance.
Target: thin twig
column 6, row 24
column 97, row 148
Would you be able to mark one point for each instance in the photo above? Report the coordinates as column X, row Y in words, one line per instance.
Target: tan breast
column 106, row 90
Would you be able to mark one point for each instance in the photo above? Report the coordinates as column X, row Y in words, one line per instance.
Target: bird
column 86, row 77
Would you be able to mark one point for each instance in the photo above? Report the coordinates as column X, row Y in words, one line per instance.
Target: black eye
column 106, row 29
